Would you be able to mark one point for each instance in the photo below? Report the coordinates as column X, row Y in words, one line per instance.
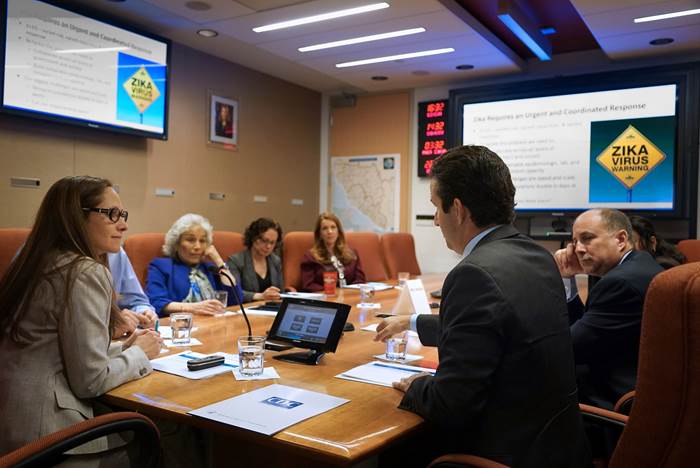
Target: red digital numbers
column 432, row 134
column 435, row 109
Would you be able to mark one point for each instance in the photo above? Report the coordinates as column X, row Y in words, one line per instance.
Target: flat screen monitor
column 620, row 140
column 59, row 64
column 309, row 324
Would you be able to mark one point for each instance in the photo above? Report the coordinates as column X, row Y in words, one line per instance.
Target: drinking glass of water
column 251, row 353
column 181, row 325
column 396, row 347
column 221, row 296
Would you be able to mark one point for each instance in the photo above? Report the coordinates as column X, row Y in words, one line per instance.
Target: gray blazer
column 65, row 358
column 241, row 264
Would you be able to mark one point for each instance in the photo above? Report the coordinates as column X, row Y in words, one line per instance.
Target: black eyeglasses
column 112, row 213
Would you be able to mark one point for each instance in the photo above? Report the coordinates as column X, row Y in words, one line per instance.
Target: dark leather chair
column 50, row 450
column 663, row 427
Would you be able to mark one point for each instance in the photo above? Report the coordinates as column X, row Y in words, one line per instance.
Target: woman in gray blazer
column 258, row 269
column 57, row 310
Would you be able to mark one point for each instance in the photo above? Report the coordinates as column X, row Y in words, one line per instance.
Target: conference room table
column 367, row 425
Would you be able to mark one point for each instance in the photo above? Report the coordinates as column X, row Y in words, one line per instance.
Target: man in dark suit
column 605, row 331
column 505, row 387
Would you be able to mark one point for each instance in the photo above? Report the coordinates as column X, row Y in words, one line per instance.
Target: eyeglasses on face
column 112, row 213
column 266, row 241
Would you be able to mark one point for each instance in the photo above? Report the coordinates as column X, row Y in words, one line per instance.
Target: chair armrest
column 50, row 449
column 468, row 461
column 606, row 417
column 624, row 404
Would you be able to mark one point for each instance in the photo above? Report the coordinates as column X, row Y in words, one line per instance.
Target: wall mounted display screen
column 614, row 148
column 62, row 65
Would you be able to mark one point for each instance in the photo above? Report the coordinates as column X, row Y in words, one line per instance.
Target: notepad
column 176, row 364
column 382, row 373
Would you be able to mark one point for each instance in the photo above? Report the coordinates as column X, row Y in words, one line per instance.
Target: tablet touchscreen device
column 309, row 324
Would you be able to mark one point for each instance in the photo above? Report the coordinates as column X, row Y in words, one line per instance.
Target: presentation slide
column 577, row 151
column 61, row 63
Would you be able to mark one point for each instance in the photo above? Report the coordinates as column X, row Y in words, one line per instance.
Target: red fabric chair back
column 11, row 239
column 366, row 244
column 691, row 249
column 399, row 252
column 141, row 249
column 228, row 243
column 295, row 244
column 663, row 430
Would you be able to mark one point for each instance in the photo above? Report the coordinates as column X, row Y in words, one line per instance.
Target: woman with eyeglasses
column 330, row 253
column 57, row 313
column 186, row 280
column 258, row 268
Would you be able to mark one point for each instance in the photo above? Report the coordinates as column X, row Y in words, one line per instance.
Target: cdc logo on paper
column 282, row 402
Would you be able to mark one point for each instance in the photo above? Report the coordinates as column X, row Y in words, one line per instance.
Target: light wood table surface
column 345, row 435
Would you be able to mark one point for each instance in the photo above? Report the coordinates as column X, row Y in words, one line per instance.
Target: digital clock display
column 432, row 134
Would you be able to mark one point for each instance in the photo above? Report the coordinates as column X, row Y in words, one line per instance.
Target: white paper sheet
column 372, row 327
column 269, row 409
column 166, row 331
column 193, row 342
column 177, row 364
column 382, row 373
column 303, row 295
column 407, row 359
column 369, row 305
column 267, row 374
column 374, row 285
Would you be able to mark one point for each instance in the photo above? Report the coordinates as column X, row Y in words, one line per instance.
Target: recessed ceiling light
column 661, row 41
column 322, row 17
column 380, row 78
column 389, row 58
column 207, row 33
column 464, row 67
column 675, row 14
column 360, row 40
column 198, row 6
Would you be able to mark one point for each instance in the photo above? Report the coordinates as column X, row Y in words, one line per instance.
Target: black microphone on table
column 225, row 272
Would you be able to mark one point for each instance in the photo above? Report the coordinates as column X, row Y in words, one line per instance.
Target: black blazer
column 505, row 387
column 605, row 331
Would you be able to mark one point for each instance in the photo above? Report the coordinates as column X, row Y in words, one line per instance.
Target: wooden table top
column 341, row 436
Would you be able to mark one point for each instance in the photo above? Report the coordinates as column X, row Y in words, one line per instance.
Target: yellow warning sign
column 630, row 157
column 141, row 89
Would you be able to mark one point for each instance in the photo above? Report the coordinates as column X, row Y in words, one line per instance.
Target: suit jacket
column 505, row 385
column 168, row 281
column 241, row 265
column 64, row 359
column 312, row 272
column 605, row 332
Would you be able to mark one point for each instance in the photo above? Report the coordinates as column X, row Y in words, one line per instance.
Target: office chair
column 399, row 251
column 228, row 243
column 662, row 429
column 50, row 449
column 141, row 249
column 691, row 249
column 366, row 244
column 295, row 244
column 11, row 239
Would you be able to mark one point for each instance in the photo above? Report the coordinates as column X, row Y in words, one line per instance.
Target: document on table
column 270, row 409
column 303, row 295
column 177, row 364
column 382, row 373
column 374, row 285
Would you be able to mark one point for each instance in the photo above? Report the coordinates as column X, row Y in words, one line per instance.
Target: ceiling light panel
column 242, row 28
column 219, row 9
column 317, row 18
column 439, row 26
column 667, row 16
column 362, row 39
column 391, row 58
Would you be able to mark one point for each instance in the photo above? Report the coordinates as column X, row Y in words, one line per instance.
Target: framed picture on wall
column 223, row 121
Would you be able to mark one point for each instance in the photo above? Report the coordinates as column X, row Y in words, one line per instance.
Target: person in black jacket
column 605, row 331
column 505, row 387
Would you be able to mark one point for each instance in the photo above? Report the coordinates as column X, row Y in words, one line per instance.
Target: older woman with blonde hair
column 330, row 253
column 187, row 279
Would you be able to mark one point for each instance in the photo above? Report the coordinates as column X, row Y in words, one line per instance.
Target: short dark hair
column 258, row 227
column 480, row 180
